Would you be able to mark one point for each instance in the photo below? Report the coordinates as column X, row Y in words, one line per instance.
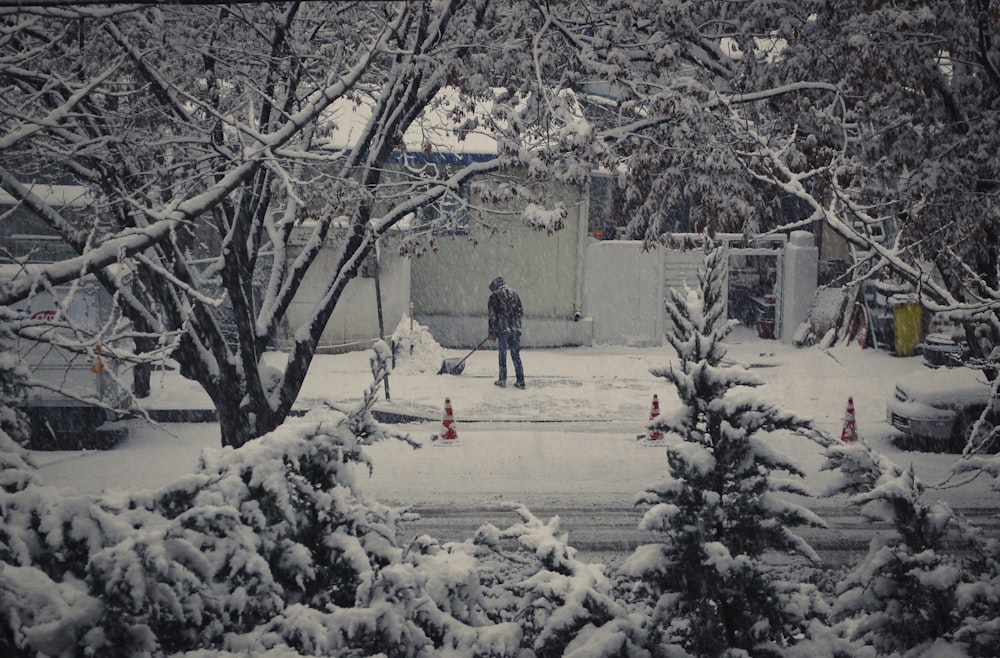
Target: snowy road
column 588, row 474
column 610, row 533
column 585, row 472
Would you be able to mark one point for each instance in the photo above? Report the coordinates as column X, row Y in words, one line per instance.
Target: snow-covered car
column 939, row 409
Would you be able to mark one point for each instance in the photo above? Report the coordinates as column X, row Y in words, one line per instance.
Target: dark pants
column 510, row 341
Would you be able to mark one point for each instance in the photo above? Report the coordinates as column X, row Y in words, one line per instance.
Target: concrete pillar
column 799, row 282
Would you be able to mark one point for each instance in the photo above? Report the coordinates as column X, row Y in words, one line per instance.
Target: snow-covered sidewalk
column 598, row 383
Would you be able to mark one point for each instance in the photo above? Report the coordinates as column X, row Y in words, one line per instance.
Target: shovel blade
column 452, row 367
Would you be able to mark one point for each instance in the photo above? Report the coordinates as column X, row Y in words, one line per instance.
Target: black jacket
column 505, row 309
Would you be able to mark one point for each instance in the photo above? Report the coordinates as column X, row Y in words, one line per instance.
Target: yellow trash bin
column 908, row 321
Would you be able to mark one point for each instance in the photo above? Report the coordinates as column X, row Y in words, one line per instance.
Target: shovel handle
column 474, row 349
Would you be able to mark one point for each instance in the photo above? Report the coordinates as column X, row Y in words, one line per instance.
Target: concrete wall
column 576, row 291
column 623, row 287
column 354, row 323
column 625, row 293
column 450, row 285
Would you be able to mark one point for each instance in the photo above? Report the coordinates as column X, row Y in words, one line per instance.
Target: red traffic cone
column 448, row 432
column 850, row 432
column 654, row 413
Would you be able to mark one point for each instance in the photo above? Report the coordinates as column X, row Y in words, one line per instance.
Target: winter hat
column 496, row 284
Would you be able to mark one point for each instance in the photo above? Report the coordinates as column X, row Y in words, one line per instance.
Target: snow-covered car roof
column 948, row 386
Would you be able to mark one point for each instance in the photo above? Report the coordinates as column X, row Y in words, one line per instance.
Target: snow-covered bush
column 268, row 547
column 565, row 606
column 718, row 513
column 914, row 594
column 46, row 539
column 12, row 381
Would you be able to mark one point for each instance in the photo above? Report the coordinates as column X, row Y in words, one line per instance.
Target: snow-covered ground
column 510, row 446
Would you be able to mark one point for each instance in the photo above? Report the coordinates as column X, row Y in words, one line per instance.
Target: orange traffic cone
column 850, row 432
column 448, row 432
column 654, row 413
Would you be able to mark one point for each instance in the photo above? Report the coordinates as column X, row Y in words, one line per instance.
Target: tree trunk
column 141, row 373
column 237, row 425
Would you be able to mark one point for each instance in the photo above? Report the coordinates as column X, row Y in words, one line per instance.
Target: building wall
column 450, row 284
column 354, row 324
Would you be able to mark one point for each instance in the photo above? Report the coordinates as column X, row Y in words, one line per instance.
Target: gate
column 754, row 277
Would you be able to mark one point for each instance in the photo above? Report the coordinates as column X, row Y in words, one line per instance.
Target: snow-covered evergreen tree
column 718, row 512
column 913, row 593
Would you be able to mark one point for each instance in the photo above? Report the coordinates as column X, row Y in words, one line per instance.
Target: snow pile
column 414, row 348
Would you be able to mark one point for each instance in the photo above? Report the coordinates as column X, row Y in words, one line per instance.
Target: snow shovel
column 456, row 366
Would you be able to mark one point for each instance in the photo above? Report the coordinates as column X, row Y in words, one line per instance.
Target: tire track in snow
column 610, row 533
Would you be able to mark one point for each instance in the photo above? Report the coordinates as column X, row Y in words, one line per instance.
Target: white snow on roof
column 434, row 130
